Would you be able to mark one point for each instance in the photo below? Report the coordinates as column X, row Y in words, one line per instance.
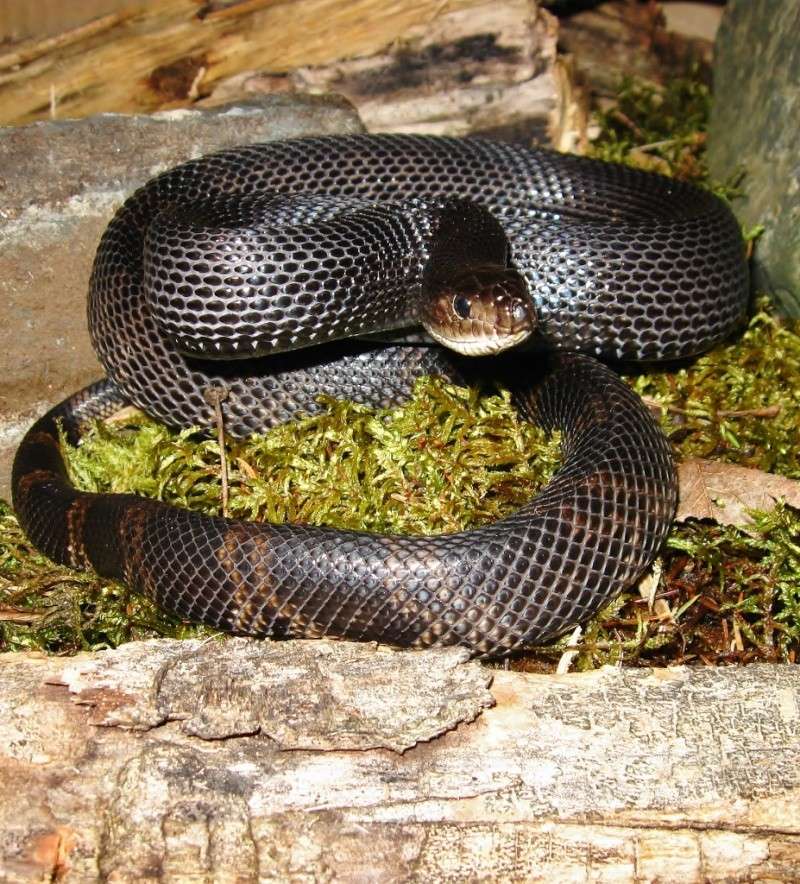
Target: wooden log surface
column 160, row 54
column 452, row 68
column 489, row 69
column 306, row 761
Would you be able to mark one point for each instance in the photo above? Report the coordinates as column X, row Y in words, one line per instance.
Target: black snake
column 212, row 266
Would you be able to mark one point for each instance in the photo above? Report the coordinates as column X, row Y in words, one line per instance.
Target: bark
column 162, row 54
column 753, row 130
column 487, row 68
column 304, row 761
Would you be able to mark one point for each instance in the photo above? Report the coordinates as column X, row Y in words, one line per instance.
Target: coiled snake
column 212, row 266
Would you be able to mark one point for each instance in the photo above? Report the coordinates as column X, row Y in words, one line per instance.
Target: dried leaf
column 726, row 492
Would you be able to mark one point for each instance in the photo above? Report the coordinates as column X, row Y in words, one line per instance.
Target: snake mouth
column 482, row 311
column 486, row 344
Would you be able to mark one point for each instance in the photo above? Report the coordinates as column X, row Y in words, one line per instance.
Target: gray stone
column 60, row 184
column 754, row 125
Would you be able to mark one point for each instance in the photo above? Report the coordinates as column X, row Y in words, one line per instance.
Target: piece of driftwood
column 489, row 68
column 166, row 53
column 307, row 761
column 452, row 68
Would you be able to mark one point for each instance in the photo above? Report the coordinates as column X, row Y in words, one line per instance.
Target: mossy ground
column 451, row 459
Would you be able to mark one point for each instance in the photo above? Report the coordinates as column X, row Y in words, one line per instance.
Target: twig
column 765, row 411
column 194, row 90
column 215, row 396
column 618, row 115
column 656, row 145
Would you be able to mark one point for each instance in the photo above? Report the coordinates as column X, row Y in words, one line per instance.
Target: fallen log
column 484, row 69
column 245, row 760
column 409, row 64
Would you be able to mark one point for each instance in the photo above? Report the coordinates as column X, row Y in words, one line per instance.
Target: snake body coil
column 213, row 261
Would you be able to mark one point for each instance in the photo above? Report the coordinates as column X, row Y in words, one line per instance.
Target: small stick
column 194, row 90
column 627, row 121
column 215, row 396
column 571, row 653
column 766, row 411
column 655, row 145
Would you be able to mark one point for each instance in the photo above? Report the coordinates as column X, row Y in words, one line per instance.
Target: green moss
column 740, row 403
column 659, row 129
column 46, row 607
column 733, row 596
column 450, row 459
column 446, row 460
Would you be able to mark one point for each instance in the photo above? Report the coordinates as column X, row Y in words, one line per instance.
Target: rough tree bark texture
column 308, row 761
column 159, row 54
column 754, row 129
column 154, row 54
column 487, row 69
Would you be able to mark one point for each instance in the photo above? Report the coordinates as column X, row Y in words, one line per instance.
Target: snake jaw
column 480, row 344
column 480, row 312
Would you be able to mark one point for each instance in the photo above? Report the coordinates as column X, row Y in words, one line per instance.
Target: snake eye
column 461, row 306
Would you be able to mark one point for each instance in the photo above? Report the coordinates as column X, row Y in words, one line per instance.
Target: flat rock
column 754, row 126
column 61, row 183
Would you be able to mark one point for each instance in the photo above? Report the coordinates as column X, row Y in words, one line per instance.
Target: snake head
column 479, row 312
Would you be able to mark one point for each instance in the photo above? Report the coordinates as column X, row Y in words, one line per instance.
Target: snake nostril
column 520, row 312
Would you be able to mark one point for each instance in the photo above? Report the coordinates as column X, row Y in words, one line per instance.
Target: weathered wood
column 259, row 761
column 488, row 68
column 22, row 19
column 455, row 68
column 158, row 53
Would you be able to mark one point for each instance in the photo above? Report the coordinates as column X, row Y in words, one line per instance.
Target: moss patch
column 446, row 460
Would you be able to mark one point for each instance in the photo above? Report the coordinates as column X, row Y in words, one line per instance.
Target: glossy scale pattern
column 619, row 264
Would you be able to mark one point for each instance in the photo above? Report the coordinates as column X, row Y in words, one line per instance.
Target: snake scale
column 222, row 272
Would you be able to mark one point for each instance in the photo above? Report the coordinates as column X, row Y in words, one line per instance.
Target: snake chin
column 486, row 344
